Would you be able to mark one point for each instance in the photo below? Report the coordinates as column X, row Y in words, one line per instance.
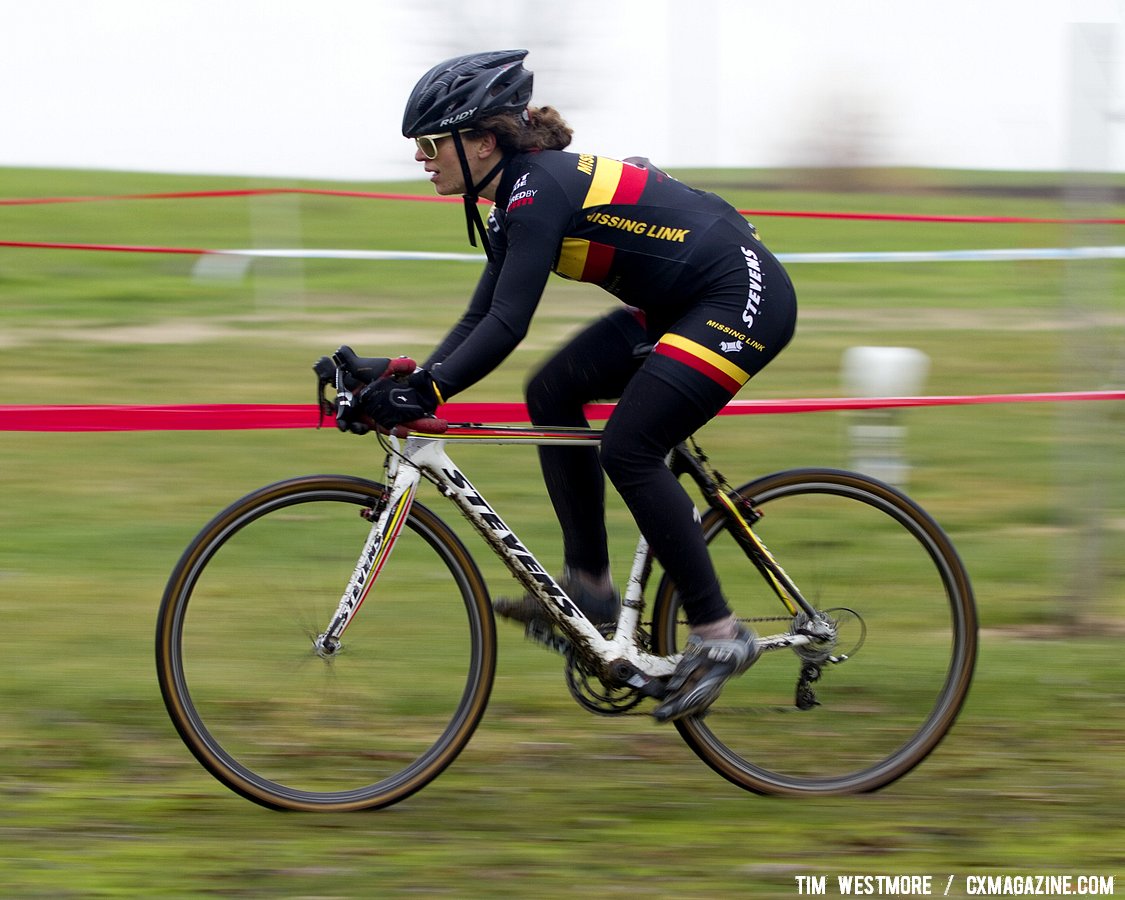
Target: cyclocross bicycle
column 328, row 643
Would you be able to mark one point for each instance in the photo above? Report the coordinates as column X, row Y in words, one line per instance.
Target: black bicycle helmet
column 463, row 90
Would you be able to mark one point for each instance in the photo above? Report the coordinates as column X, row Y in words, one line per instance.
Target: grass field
column 100, row 798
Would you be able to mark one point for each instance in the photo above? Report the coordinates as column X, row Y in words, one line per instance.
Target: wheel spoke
column 288, row 725
column 875, row 701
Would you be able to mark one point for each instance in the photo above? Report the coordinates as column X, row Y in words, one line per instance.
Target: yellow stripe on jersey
column 607, row 175
column 572, row 258
column 717, row 360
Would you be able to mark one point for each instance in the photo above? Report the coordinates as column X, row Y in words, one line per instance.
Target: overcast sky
column 292, row 88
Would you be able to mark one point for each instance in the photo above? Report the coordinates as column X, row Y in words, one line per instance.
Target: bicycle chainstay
column 593, row 694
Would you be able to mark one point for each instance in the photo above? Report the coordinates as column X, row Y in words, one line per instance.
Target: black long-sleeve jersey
column 640, row 234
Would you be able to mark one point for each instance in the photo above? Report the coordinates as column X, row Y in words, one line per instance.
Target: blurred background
column 316, row 90
column 998, row 109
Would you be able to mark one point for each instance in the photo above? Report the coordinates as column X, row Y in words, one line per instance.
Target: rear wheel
column 280, row 724
column 889, row 578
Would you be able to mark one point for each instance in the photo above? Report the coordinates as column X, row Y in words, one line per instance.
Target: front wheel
column 285, row 726
column 881, row 569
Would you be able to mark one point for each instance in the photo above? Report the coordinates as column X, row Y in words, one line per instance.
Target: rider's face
column 445, row 168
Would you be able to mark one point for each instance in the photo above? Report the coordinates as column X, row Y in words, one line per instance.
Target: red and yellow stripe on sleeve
column 613, row 182
column 715, row 366
column 582, row 260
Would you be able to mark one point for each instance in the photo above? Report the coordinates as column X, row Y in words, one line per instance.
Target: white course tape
column 233, row 263
column 905, row 256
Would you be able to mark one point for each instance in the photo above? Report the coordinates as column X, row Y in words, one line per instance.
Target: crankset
column 586, row 686
column 595, row 694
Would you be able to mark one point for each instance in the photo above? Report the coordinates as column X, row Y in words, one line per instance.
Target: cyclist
column 698, row 287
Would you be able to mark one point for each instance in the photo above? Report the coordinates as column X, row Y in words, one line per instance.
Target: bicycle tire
column 270, row 718
column 850, row 543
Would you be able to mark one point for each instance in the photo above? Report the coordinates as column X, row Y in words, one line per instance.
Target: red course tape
column 248, row 416
column 376, row 195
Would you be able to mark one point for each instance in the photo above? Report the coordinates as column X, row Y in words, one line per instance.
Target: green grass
column 100, row 798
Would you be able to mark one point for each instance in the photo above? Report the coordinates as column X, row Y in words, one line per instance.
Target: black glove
column 391, row 401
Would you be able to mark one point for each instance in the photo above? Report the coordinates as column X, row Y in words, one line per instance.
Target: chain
column 751, row 619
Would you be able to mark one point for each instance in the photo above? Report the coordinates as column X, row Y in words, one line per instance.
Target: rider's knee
column 541, row 397
column 551, row 398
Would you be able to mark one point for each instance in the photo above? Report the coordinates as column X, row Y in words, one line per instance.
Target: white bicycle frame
column 424, row 456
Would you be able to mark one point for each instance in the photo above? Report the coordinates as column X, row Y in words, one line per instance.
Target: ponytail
column 539, row 128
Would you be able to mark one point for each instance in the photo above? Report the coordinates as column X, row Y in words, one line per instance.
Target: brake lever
column 325, row 375
column 346, row 367
column 345, row 403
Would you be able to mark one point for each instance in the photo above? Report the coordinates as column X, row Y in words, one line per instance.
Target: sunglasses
column 427, row 143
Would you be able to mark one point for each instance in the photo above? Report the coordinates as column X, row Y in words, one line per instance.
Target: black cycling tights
column 651, row 417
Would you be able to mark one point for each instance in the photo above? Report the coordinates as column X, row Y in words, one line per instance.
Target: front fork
column 387, row 519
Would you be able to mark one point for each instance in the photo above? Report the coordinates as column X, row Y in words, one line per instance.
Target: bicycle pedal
column 543, row 633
